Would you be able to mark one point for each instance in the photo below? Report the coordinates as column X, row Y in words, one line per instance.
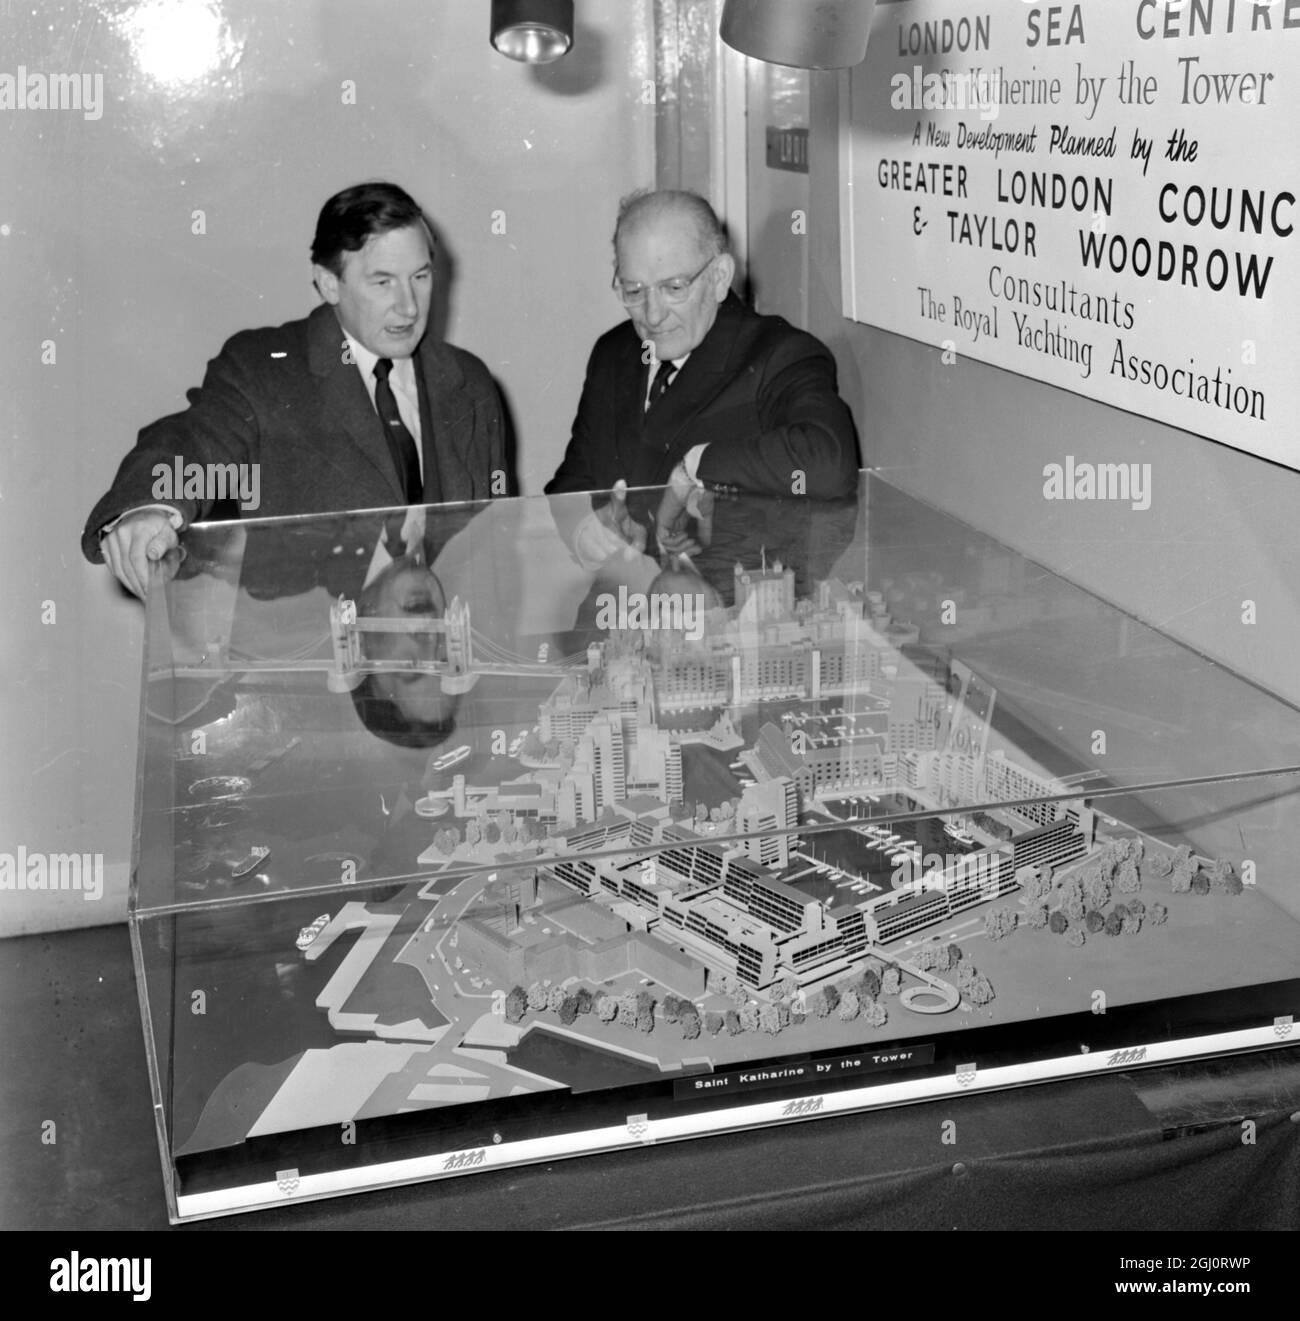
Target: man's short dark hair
column 648, row 203
column 353, row 216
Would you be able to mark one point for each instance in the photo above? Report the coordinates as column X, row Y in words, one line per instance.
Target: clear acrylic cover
column 473, row 835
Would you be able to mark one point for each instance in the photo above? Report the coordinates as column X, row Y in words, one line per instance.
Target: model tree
column 627, row 1011
column 690, row 1021
column 732, row 1020
column 701, row 812
column 491, row 833
column 1200, row 883
column 870, row 982
column 670, row 1008
column 607, row 1008
column 1058, row 923
column 979, row 991
column 568, row 1009
column 1096, row 890
column 516, row 1004
column 749, row 1017
column 1223, row 878
column 1072, row 901
column 1157, row 865
column 848, row 1007
column 874, row 1012
column 891, row 983
column 1157, row 914
column 1093, row 921
column 1036, row 915
column 1114, row 923
column 555, row 999
column 999, row 922
column 585, row 999
column 768, row 1019
column 537, row 997
column 1127, row 878
column 713, row 1023
column 473, row 831
column 831, row 996
column 1028, row 880
column 1076, row 935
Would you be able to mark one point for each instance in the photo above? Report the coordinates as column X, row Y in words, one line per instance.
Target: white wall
column 240, row 112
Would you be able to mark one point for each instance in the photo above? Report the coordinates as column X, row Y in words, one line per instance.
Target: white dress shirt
column 402, row 379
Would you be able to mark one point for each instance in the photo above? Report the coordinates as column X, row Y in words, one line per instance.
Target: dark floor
column 1165, row 1148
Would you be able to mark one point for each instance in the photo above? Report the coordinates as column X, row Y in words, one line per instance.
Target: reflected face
column 383, row 294
column 663, row 247
column 413, row 592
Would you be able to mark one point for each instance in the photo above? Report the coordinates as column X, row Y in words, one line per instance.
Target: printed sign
column 1100, row 195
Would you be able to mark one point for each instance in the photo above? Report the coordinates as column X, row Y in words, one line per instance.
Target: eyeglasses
column 671, row 291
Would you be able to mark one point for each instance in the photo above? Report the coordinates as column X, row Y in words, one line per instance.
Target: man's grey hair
column 649, row 204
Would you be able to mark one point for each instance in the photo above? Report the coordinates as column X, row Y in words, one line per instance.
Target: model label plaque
column 805, row 1071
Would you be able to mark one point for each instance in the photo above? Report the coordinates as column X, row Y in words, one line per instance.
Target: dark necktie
column 401, row 444
column 664, row 377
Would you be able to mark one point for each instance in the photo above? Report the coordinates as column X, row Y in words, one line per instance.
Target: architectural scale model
column 717, row 845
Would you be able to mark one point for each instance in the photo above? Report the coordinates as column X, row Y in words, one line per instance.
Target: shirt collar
column 403, row 368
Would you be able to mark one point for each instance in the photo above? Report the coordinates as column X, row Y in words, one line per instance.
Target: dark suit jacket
column 760, row 393
column 782, row 449
column 284, row 398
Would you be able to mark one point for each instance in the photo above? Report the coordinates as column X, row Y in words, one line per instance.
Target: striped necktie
column 401, row 444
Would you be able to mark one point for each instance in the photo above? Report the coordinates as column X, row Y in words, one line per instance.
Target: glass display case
column 475, row 835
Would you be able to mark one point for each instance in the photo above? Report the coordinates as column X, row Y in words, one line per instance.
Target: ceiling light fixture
column 813, row 34
column 532, row 31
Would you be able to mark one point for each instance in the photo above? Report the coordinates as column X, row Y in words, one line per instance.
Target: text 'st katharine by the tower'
column 32, row 89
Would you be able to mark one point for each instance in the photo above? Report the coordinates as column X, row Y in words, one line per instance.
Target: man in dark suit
column 699, row 394
column 352, row 407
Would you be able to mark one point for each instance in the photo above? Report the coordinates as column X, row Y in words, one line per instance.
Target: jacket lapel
column 630, row 417
column 345, row 404
column 700, row 380
column 447, row 421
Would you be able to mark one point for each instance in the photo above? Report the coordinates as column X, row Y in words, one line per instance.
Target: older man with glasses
column 696, row 393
